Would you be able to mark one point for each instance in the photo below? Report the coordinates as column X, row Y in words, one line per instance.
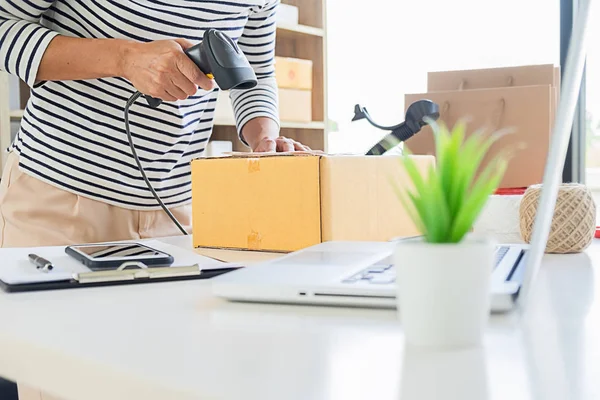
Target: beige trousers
column 33, row 213
column 28, row 393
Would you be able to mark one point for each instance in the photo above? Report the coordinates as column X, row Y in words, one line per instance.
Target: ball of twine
column 573, row 223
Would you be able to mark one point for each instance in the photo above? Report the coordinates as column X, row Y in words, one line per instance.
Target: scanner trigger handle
column 152, row 101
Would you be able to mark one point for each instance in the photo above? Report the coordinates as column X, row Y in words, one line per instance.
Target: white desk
column 174, row 341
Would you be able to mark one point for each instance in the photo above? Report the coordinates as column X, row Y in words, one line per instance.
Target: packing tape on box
column 254, row 240
column 253, row 165
column 500, row 219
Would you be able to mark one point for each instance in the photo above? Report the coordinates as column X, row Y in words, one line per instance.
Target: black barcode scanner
column 417, row 115
column 219, row 58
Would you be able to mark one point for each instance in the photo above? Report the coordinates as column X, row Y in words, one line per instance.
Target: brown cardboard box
column 286, row 202
column 294, row 73
column 295, row 105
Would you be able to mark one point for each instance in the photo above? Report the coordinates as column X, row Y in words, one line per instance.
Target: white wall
column 593, row 69
column 381, row 49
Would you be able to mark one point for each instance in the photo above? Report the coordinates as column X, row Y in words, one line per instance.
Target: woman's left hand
column 279, row 144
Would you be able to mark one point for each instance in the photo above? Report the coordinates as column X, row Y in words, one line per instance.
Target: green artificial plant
column 446, row 201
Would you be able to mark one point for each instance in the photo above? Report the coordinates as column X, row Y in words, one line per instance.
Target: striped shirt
column 72, row 134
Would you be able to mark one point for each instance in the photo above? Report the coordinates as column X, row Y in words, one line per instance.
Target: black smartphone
column 113, row 255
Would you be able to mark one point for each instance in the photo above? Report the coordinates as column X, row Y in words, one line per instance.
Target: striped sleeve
column 23, row 40
column 258, row 44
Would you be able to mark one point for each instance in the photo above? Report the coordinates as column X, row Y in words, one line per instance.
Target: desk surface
column 174, row 341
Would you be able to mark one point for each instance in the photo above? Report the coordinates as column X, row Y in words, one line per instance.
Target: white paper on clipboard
column 16, row 269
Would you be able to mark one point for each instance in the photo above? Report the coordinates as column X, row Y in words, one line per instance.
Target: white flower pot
column 444, row 291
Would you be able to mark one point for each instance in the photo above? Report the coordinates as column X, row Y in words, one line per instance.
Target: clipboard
column 17, row 274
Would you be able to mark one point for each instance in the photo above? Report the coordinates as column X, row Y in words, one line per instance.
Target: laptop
column 362, row 273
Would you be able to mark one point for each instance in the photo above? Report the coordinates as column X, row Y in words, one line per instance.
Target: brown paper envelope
column 527, row 109
column 544, row 74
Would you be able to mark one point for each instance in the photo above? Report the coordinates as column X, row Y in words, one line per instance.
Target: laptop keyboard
column 383, row 272
column 500, row 253
column 378, row 274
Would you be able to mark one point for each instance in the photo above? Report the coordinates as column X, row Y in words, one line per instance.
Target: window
column 592, row 103
column 383, row 49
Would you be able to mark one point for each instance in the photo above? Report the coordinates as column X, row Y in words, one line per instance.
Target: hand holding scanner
column 219, row 58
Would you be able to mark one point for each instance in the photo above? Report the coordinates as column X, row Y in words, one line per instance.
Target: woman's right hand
column 162, row 70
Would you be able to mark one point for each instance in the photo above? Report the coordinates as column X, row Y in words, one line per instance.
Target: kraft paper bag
column 486, row 78
column 557, row 81
column 527, row 75
column 525, row 109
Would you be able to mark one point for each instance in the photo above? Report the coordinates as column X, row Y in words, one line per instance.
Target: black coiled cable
column 130, row 102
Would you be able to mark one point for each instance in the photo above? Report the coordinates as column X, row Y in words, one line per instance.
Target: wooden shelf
column 16, row 114
column 284, row 124
column 304, row 29
column 303, row 125
column 305, row 40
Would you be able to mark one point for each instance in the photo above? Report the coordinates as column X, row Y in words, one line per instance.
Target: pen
column 41, row 263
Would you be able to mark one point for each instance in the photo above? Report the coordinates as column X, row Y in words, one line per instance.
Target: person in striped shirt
column 70, row 175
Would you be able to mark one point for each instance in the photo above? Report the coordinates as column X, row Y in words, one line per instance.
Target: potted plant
column 443, row 277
